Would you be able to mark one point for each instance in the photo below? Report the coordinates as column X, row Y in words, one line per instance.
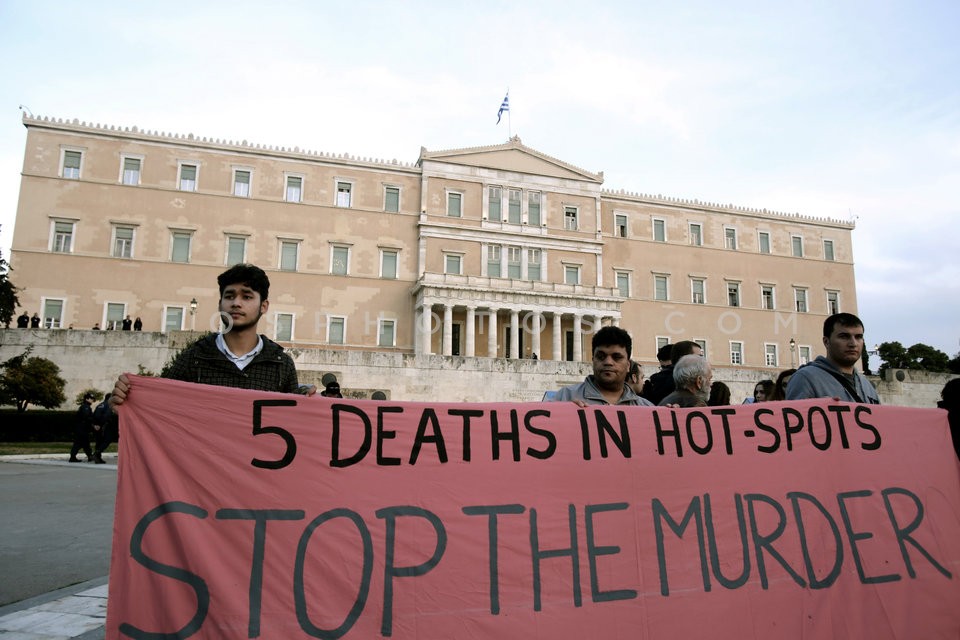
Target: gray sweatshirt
column 821, row 379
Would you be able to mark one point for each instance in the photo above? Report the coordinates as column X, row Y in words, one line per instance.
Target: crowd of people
column 26, row 321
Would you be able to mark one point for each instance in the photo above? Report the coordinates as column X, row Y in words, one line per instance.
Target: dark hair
column 780, row 388
column 682, row 348
column 767, row 389
column 248, row 274
column 951, row 395
column 842, row 319
column 663, row 353
column 611, row 336
column 719, row 395
column 634, row 369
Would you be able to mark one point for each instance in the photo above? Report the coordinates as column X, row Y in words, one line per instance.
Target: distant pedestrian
column 82, row 428
column 104, row 421
column 23, row 321
column 138, row 324
column 126, row 324
column 34, row 321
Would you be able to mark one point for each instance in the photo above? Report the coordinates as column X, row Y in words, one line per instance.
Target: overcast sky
column 832, row 109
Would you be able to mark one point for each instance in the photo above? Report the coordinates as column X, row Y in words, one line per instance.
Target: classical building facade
column 498, row 251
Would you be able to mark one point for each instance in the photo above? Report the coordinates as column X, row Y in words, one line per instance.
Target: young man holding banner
column 834, row 376
column 611, row 364
column 238, row 357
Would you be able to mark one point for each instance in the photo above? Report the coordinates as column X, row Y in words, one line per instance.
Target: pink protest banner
column 260, row 515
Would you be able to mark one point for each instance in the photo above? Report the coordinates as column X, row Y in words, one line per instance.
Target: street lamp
column 793, row 353
column 193, row 314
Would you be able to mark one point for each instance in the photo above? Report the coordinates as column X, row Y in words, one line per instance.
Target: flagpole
column 509, row 120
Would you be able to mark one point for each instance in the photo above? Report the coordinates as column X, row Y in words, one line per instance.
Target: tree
column 954, row 365
column 919, row 356
column 8, row 295
column 31, row 380
column 892, row 356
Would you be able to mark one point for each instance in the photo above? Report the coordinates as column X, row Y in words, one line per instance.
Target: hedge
column 36, row 425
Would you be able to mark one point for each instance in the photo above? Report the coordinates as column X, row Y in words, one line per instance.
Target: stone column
column 471, row 338
column 557, row 335
column 535, row 346
column 492, row 330
column 577, row 337
column 447, row 330
column 514, row 334
column 424, row 328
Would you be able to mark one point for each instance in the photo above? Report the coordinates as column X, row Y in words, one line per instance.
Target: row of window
column 799, row 354
column 131, row 168
column 698, row 293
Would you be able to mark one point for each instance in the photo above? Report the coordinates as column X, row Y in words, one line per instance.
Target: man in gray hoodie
column 834, row 376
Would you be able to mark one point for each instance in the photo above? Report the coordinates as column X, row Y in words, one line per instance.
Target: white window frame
column 736, row 354
column 58, row 322
column 569, row 209
column 773, row 297
column 337, row 200
column 737, row 293
column 334, row 247
column 796, row 250
column 803, row 358
column 730, row 238
column 539, row 222
column 510, row 217
column 760, row 236
column 621, row 230
column 113, row 240
column 54, row 234
column 491, row 199
column 702, row 343
column 498, row 250
column 575, row 270
column 281, row 243
column 514, row 261
column 196, row 174
column 699, row 234
column 666, row 286
column 381, row 324
column 384, row 251
column 226, row 248
column 236, row 183
column 173, row 243
column 163, row 318
column 123, row 168
column 456, row 256
column 331, row 320
column 625, row 275
column 806, row 299
column 662, row 341
column 531, row 253
column 63, row 162
column 767, row 360
column 693, row 291
column 386, row 190
column 454, row 196
column 287, row 177
column 276, row 326
column 833, row 250
column 105, row 318
column 837, row 295
column 662, row 223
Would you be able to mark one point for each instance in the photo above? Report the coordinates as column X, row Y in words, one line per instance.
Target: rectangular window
column 833, row 302
column 801, row 298
column 696, row 234
column 828, row 250
column 71, row 164
column 493, row 260
column 123, row 242
column 764, row 241
column 513, row 263
column 188, row 177
column 340, row 261
column 570, row 218
column 703, row 346
column 495, row 204
column 388, row 264
column 131, row 171
column 336, row 330
column 236, row 250
column 733, row 294
column 453, row 264
column 115, row 313
column 294, row 189
column 387, row 335
column 62, row 237
column 659, row 230
column 534, row 259
column 391, row 199
column 173, row 319
column 770, row 355
column 797, row 243
column 736, row 352
column 660, row 291
column 284, row 327
column 767, row 300
column 455, row 205
column 344, row 190
column 698, row 286
column 571, row 274
column 513, row 206
column 662, row 342
column 533, row 208
column 804, row 355
column 289, row 255
column 730, row 238
column 180, row 246
column 620, row 225
column 241, row 183
column 52, row 313
column 623, row 284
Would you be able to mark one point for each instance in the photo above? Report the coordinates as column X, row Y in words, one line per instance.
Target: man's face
column 610, row 366
column 844, row 345
column 243, row 305
column 703, row 384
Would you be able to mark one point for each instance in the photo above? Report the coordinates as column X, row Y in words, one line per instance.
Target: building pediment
column 511, row 156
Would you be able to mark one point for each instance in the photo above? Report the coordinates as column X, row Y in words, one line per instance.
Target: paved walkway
column 62, row 504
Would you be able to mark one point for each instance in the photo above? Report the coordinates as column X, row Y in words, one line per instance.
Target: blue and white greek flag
column 504, row 106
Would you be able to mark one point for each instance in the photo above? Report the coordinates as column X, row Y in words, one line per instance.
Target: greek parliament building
column 488, row 252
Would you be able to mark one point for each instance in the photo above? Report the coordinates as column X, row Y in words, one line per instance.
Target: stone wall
column 93, row 359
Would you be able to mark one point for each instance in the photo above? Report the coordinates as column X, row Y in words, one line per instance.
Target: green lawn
column 21, row 448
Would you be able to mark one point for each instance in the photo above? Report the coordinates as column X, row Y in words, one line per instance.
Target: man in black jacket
column 238, row 357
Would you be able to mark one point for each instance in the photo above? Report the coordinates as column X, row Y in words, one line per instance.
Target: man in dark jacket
column 662, row 383
column 238, row 357
column 81, row 429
